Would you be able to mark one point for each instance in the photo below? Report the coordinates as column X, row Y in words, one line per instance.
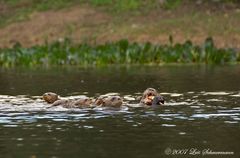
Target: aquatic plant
column 121, row 52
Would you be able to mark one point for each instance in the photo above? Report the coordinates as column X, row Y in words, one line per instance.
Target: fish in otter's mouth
column 154, row 100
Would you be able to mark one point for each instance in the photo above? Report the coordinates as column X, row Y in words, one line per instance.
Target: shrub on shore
column 121, row 52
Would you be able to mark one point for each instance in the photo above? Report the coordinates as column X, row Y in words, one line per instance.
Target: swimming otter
column 50, row 97
column 53, row 99
column 151, row 97
column 109, row 101
column 106, row 101
column 83, row 102
column 74, row 103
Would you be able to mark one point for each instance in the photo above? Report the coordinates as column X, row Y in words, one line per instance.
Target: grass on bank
column 18, row 10
column 121, row 52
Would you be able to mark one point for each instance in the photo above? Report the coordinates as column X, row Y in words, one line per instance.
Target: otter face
column 112, row 101
column 150, row 92
column 151, row 97
column 148, row 96
column 116, row 101
column 50, row 97
column 83, row 102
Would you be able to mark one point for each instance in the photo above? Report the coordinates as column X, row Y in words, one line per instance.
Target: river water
column 201, row 116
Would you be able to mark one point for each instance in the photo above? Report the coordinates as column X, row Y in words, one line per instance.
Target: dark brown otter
column 151, row 97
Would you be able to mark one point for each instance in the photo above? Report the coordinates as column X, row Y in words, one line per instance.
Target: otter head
column 112, row 101
column 116, row 101
column 50, row 97
column 148, row 96
column 83, row 102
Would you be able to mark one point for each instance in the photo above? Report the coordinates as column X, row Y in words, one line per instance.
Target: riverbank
column 32, row 24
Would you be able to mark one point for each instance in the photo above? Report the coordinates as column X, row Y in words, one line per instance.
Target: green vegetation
column 120, row 5
column 121, row 52
column 171, row 4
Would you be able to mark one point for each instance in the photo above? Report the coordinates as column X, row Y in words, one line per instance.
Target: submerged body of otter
column 109, row 101
column 149, row 97
column 53, row 99
column 74, row 103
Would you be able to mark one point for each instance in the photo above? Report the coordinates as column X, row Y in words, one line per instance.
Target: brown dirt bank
column 88, row 24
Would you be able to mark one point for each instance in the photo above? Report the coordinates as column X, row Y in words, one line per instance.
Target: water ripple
column 15, row 110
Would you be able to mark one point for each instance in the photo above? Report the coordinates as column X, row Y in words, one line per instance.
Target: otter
column 151, row 97
column 50, row 97
column 53, row 99
column 74, row 103
column 109, row 101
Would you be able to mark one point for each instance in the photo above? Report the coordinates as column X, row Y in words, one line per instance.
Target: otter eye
column 113, row 98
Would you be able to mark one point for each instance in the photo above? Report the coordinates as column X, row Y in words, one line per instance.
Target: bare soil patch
column 84, row 23
column 52, row 25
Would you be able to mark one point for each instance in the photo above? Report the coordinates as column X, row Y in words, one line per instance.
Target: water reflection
column 183, row 106
column 125, row 80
